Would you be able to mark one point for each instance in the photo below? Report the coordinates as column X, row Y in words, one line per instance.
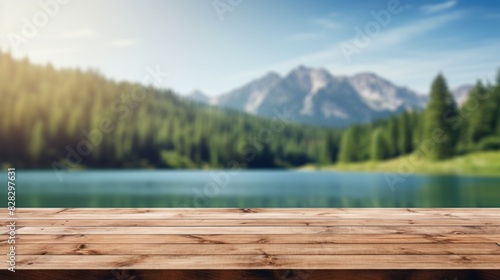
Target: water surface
column 139, row 188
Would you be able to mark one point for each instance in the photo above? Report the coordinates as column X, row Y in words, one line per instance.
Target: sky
column 218, row 45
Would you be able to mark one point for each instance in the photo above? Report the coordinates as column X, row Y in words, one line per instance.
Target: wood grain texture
column 262, row 230
column 253, row 239
column 252, row 222
column 256, row 213
column 256, row 249
column 257, row 239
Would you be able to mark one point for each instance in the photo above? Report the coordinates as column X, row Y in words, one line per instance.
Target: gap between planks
column 256, row 213
column 259, row 262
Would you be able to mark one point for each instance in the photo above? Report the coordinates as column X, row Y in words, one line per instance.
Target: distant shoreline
column 474, row 164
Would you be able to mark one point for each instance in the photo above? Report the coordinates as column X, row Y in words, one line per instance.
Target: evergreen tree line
column 440, row 131
column 71, row 118
column 68, row 118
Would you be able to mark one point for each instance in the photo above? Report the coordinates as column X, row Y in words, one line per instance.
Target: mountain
column 198, row 96
column 315, row 96
column 380, row 94
column 249, row 97
column 460, row 93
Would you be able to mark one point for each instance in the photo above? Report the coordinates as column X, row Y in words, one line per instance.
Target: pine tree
column 392, row 137
column 481, row 119
column 417, row 123
column 378, row 146
column 324, row 152
column 405, row 134
column 348, row 145
column 496, row 101
column 37, row 141
column 333, row 142
column 439, row 132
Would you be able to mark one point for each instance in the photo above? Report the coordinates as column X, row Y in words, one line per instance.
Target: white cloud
column 327, row 23
column 78, row 33
column 122, row 43
column 376, row 56
column 434, row 8
column 404, row 33
column 49, row 52
column 322, row 22
column 303, row 36
column 416, row 70
column 460, row 66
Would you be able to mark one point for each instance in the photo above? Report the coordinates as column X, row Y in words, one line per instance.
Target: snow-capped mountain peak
column 317, row 97
column 380, row 94
column 249, row 97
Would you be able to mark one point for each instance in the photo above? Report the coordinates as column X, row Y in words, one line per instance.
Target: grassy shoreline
column 481, row 163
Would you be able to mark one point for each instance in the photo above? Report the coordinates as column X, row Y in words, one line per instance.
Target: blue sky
column 216, row 50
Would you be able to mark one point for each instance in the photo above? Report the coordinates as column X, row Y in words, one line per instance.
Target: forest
column 69, row 118
column 441, row 131
column 78, row 119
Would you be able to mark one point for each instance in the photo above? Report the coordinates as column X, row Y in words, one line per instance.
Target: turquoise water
column 139, row 188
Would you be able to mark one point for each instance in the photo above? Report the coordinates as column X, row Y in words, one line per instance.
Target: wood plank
column 261, row 230
column 258, row 262
column 258, row 239
column 143, row 238
column 255, row 213
column 252, row 222
column 254, row 249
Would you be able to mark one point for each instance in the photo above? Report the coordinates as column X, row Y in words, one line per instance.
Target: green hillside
column 481, row 163
column 69, row 118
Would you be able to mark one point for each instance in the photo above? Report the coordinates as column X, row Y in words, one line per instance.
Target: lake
column 247, row 189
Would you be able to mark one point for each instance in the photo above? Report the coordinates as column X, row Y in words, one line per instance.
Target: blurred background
column 251, row 104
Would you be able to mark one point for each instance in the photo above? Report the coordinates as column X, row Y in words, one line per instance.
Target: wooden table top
column 257, row 238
